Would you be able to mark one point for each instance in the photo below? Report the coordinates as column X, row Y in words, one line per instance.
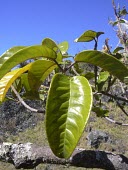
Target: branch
column 28, row 156
column 107, row 46
column 122, row 108
column 23, row 103
column 59, row 66
column 122, row 88
column 119, row 105
column 95, row 67
column 115, row 122
column 76, row 73
column 117, row 16
column 66, row 69
column 43, row 86
column 115, row 97
column 96, row 75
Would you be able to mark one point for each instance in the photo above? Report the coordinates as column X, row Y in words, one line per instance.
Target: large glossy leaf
column 105, row 61
column 25, row 54
column 88, row 36
column 7, row 54
column 52, row 45
column 9, row 78
column 39, row 71
column 67, row 111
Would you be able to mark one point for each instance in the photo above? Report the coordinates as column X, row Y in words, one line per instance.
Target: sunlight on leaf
column 39, row 71
column 63, row 46
column 67, row 111
column 9, row 78
column 7, row 54
column 52, row 45
column 30, row 52
column 88, row 36
column 105, row 61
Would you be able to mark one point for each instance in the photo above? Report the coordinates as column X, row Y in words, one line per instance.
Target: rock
column 15, row 118
column 28, row 156
column 95, row 138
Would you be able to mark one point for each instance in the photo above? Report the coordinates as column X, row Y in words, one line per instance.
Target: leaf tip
column 76, row 40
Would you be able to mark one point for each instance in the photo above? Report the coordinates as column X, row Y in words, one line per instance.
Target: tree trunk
column 28, row 155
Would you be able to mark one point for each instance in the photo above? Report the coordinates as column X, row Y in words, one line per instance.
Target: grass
column 37, row 135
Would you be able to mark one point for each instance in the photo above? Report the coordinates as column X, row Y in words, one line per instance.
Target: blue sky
column 27, row 22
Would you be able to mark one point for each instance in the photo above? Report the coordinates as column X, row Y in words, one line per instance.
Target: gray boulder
column 96, row 137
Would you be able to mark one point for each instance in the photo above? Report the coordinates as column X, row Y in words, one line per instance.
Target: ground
column 118, row 136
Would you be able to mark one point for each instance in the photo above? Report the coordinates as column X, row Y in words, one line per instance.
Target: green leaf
column 103, row 76
column 118, row 49
column 99, row 33
column 88, row 36
column 7, row 54
column 29, row 93
column 39, row 71
column 116, row 22
column 63, row 46
column 89, row 75
column 67, row 111
column 9, row 78
column 105, row 61
column 25, row 54
column 17, row 85
column 25, row 82
column 126, row 80
column 123, row 12
column 52, row 45
column 100, row 112
column 117, row 55
column 43, row 93
column 78, row 68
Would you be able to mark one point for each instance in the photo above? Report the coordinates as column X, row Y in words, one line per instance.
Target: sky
column 28, row 22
